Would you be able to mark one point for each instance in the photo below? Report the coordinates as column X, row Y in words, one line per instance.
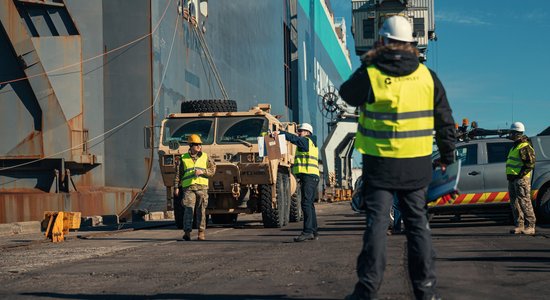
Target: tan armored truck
column 245, row 181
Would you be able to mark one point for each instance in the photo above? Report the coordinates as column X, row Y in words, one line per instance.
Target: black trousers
column 371, row 262
column 308, row 185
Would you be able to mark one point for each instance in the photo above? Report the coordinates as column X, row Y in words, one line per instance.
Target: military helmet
column 194, row 139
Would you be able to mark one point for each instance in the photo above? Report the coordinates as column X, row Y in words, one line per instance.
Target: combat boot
column 187, row 236
column 517, row 230
column 529, row 230
column 201, row 236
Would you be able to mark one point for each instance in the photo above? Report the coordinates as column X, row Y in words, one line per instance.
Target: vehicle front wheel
column 543, row 208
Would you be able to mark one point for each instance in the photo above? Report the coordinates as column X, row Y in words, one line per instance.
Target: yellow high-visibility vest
column 306, row 162
column 514, row 162
column 400, row 122
column 190, row 166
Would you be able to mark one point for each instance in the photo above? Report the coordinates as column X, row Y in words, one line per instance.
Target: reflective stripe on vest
column 190, row 166
column 307, row 162
column 514, row 162
column 400, row 122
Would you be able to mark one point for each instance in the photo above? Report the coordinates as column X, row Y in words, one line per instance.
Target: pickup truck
column 483, row 186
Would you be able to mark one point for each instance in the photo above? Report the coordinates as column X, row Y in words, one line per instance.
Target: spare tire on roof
column 211, row 105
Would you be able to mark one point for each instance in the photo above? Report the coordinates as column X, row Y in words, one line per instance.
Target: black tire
column 214, row 105
column 229, row 219
column 178, row 211
column 295, row 206
column 273, row 217
column 543, row 208
column 283, row 195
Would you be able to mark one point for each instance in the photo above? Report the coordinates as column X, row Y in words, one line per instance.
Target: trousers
column 371, row 262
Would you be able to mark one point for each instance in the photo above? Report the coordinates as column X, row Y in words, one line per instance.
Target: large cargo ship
column 80, row 81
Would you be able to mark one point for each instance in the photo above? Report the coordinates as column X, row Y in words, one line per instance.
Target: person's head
column 195, row 143
column 305, row 129
column 396, row 29
column 516, row 130
column 465, row 122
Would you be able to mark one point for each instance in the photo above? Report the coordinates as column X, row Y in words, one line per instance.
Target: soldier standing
column 402, row 102
column 192, row 180
column 520, row 163
column 306, row 169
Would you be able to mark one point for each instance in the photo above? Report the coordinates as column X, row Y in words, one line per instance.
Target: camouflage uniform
column 193, row 193
column 519, row 187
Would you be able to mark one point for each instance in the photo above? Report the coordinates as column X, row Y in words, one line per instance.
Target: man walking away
column 401, row 103
column 192, row 179
column 520, row 163
column 306, row 169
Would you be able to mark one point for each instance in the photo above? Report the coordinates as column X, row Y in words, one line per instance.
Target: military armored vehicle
column 245, row 180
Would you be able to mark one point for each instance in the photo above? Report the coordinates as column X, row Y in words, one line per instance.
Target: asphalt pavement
column 476, row 259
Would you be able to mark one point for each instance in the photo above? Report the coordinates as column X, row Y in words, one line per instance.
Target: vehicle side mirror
column 148, row 137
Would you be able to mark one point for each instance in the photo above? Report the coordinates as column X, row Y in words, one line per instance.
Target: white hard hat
column 517, row 126
column 306, row 126
column 397, row 28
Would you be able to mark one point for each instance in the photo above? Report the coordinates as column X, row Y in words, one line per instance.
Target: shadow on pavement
column 166, row 296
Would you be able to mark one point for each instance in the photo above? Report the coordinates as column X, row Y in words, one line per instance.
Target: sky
column 493, row 58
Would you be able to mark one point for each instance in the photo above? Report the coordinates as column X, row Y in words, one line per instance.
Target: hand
column 176, row 192
column 198, row 172
column 443, row 168
column 274, row 133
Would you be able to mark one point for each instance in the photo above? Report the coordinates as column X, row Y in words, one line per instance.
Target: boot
column 516, row 230
column 187, row 236
column 201, row 236
column 529, row 230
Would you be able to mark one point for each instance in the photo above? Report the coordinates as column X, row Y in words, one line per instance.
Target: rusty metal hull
column 80, row 80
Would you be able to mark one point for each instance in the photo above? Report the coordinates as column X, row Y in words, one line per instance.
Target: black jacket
column 401, row 173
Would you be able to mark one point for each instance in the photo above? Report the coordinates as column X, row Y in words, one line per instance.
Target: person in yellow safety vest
column 306, row 169
column 401, row 104
column 192, row 172
column 519, row 166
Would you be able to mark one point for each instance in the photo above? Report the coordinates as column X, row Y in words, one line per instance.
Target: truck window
column 237, row 130
column 467, row 154
column 180, row 129
column 498, row 152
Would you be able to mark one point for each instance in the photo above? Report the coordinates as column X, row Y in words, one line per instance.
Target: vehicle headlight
column 168, row 160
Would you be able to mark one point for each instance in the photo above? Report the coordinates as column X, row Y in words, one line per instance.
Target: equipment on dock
column 59, row 223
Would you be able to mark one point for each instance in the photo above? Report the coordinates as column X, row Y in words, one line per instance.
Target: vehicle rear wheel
column 543, row 208
column 295, row 206
column 212, row 105
column 224, row 219
column 283, row 196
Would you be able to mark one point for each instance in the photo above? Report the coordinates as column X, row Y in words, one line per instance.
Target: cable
column 94, row 57
column 119, row 125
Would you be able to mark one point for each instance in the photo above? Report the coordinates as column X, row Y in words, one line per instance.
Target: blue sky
column 493, row 57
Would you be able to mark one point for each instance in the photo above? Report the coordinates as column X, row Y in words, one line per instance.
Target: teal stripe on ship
column 328, row 37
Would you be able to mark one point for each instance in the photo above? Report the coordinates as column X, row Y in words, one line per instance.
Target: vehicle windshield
column 180, row 129
column 241, row 130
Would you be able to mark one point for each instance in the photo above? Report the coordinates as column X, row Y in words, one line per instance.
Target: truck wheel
column 178, row 211
column 295, row 206
column 214, row 105
column 271, row 217
column 224, row 219
column 283, row 195
column 543, row 209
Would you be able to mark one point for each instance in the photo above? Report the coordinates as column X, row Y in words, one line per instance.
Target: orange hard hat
column 194, row 139
column 465, row 121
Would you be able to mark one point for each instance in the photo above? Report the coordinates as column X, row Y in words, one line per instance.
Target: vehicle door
column 471, row 173
column 494, row 176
